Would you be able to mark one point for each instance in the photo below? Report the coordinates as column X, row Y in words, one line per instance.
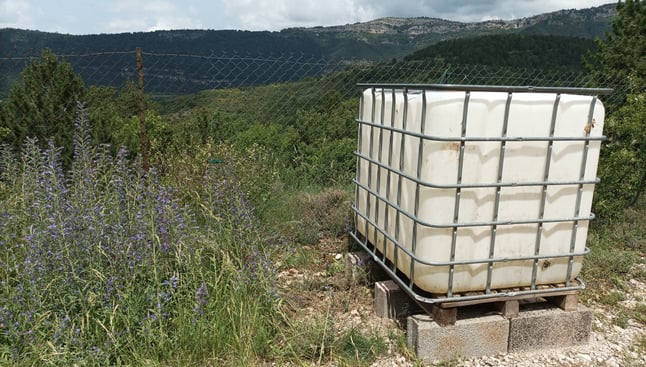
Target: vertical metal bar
column 372, row 118
column 382, row 112
column 389, row 174
column 577, row 210
column 496, row 205
column 402, row 146
column 546, row 175
column 420, row 155
column 360, row 128
column 458, row 191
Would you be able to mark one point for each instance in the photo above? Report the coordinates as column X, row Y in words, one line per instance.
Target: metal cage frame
column 389, row 266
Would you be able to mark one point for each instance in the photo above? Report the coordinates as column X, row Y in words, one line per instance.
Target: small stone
column 584, row 357
column 634, row 355
column 338, row 257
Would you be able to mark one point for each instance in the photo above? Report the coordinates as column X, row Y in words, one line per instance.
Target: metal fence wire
column 168, row 75
column 296, row 82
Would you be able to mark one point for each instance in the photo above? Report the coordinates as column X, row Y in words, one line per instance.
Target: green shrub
column 103, row 264
column 622, row 169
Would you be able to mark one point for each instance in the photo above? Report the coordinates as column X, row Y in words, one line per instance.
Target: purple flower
column 201, row 299
column 173, row 281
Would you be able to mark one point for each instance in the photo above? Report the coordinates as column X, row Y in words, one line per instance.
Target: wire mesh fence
column 296, row 81
column 307, row 105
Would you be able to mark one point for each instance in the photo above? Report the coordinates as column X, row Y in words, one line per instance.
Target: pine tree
column 42, row 104
column 620, row 60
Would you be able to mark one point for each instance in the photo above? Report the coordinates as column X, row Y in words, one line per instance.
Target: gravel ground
column 614, row 347
column 352, row 307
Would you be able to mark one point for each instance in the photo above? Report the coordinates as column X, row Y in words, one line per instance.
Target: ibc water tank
column 470, row 188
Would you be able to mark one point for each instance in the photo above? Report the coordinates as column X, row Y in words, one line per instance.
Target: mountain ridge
column 380, row 40
column 423, row 25
column 398, row 37
column 407, row 33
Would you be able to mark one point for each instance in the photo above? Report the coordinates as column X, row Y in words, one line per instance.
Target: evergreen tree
column 620, row 62
column 42, row 104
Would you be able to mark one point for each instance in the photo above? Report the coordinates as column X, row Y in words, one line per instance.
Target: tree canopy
column 620, row 62
column 510, row 50
column 43, row 103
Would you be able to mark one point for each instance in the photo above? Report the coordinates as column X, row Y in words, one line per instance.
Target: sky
column 117, row 16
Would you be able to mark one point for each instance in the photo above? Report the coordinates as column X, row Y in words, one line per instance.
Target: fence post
column 142, row 112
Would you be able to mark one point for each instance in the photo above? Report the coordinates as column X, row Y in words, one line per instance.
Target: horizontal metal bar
column 488, row 88
column 474, row 224
column 478, row 185
column 483, row 138
column 429, row 300
column 466, row 262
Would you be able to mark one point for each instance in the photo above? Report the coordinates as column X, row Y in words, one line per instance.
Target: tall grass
column 617, row 252
column 102, row 264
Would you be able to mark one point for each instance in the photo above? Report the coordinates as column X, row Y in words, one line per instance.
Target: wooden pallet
column 504, row 301
column 507, row 303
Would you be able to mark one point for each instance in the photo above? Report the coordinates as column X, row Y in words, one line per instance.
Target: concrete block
column 392, row 302
column 549, row 327
column 472, row 337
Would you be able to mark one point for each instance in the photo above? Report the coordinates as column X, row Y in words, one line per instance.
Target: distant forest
column 20, row 43
column 510, row 50
column 188, row 61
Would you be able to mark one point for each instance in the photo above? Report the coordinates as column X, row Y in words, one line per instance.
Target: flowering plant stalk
column 102, row 264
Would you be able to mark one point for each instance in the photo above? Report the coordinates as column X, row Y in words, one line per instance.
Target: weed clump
column 324, row 214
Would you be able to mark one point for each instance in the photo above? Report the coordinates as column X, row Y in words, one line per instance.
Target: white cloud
column 16, row 14
column 280, row 14
column 472, row 11
column 254, row 15
column 95, row 16
column 312, row 12
column 134, row 16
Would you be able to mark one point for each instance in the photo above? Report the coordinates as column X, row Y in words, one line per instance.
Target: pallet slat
column 507, row 303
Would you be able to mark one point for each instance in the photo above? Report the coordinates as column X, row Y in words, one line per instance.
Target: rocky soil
column 310, row 291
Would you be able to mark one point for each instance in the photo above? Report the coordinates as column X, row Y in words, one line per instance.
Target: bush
column 104, row 265
column 622, row 167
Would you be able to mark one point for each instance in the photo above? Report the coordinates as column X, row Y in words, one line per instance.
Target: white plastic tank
column 486, row 189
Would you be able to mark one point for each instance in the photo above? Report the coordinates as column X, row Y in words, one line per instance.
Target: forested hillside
column 103, row 59
column 586, row 23
column 514, row 50
column 379, row 40
column 17, row 42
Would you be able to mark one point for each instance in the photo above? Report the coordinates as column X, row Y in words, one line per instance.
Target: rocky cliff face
column 421, row 26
